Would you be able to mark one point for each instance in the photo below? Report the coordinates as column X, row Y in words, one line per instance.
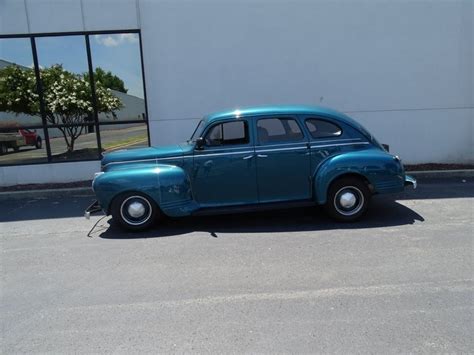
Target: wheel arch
column 324, row 182
column 167, row 185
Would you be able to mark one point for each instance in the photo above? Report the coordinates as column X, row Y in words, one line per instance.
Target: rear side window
column 228, row 133
column 271, row 130
column 322, row 129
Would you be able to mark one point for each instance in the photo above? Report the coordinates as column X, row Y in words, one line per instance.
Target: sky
column 119, row 53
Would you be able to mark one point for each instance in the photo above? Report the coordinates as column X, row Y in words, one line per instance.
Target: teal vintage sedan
column 249, row 159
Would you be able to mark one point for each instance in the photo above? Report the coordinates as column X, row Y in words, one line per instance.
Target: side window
column 271, row 130
column 228, row 133
column 322, row 129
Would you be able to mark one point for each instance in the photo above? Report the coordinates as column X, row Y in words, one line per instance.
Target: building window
column 70, row 97
column 21, row 125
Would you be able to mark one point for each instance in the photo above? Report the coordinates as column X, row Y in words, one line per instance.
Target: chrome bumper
column 410, row 180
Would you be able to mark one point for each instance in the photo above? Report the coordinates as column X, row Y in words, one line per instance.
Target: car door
column 283, row 160
column 224, row 170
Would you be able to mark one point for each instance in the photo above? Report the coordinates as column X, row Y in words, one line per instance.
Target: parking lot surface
column 288, row 281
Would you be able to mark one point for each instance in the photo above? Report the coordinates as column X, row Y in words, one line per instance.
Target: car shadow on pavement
column 382, row 213
column 73, row 204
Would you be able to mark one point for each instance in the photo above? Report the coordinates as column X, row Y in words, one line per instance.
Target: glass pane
column 123, row 136
column 83, row 147
column 234, row 130
column 322, row 129
column 22, row 146
column 214, row 135
column 117, row 70
column 19, row 102
column 272, row 126
column 278, row 130
column 67, row 94
column 235, row 133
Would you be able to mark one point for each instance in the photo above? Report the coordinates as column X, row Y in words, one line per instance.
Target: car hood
column 144, row 155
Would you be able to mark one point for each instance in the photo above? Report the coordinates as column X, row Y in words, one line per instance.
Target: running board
column 208, row 211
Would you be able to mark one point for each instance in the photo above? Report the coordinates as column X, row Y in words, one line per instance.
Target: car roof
column 280, row 110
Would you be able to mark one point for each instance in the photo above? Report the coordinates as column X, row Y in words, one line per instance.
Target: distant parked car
column 256, row 158
column 18, row 138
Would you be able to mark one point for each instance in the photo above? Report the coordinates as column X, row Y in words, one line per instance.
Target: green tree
column 67, row 98
column 109, row 80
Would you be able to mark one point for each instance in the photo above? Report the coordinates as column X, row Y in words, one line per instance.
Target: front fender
column 167, row 185
column 380, row 169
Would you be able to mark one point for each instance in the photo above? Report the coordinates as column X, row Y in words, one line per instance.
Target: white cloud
column 116, row 40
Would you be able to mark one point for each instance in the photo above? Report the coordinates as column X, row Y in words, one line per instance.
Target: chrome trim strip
column 177, row 157
column 219, row 150
column 335, row 145
column 225, row 153
column 129, row 161
column 279, row 149
column 315, row 140
column 279, row 145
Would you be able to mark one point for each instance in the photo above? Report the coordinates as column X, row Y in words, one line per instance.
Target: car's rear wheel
column 38, row 143
column 134, row 211
column 347, row 199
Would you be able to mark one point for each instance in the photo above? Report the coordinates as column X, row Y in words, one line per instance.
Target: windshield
column 197, row 132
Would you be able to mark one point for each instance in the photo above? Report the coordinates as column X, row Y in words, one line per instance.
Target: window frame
column 288, row 117
column 44, row 126
column 324, row 120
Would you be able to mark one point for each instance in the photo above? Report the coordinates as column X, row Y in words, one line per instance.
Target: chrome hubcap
column 136, row 209
column 347, row 200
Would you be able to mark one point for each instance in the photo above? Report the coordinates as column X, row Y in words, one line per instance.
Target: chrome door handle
column 262, row 155
column 248, row 157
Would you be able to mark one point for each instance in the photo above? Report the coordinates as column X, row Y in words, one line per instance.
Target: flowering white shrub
column 67, row 98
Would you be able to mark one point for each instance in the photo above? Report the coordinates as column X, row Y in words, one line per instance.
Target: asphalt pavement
column 287, row 281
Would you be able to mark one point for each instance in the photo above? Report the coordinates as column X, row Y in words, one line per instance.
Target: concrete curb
column 87, row 191
column 47, row 193
column 441, row 174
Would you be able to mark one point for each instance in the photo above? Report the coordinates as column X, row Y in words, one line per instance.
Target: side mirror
column 200, row 142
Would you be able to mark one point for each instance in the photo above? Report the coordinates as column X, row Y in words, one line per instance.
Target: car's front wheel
column 134, row 211
column 348, row 199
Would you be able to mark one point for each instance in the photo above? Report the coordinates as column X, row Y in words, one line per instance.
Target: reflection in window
column 117, row 67
column 68, row 97
column 69, row 115
column 123, row 136
column 19, row 105
column 21, row 146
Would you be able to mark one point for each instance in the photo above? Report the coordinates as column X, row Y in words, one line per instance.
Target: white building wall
column 402, row 68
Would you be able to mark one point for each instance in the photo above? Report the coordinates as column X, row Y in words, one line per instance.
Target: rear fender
column 167, row 185
column 379, row 169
